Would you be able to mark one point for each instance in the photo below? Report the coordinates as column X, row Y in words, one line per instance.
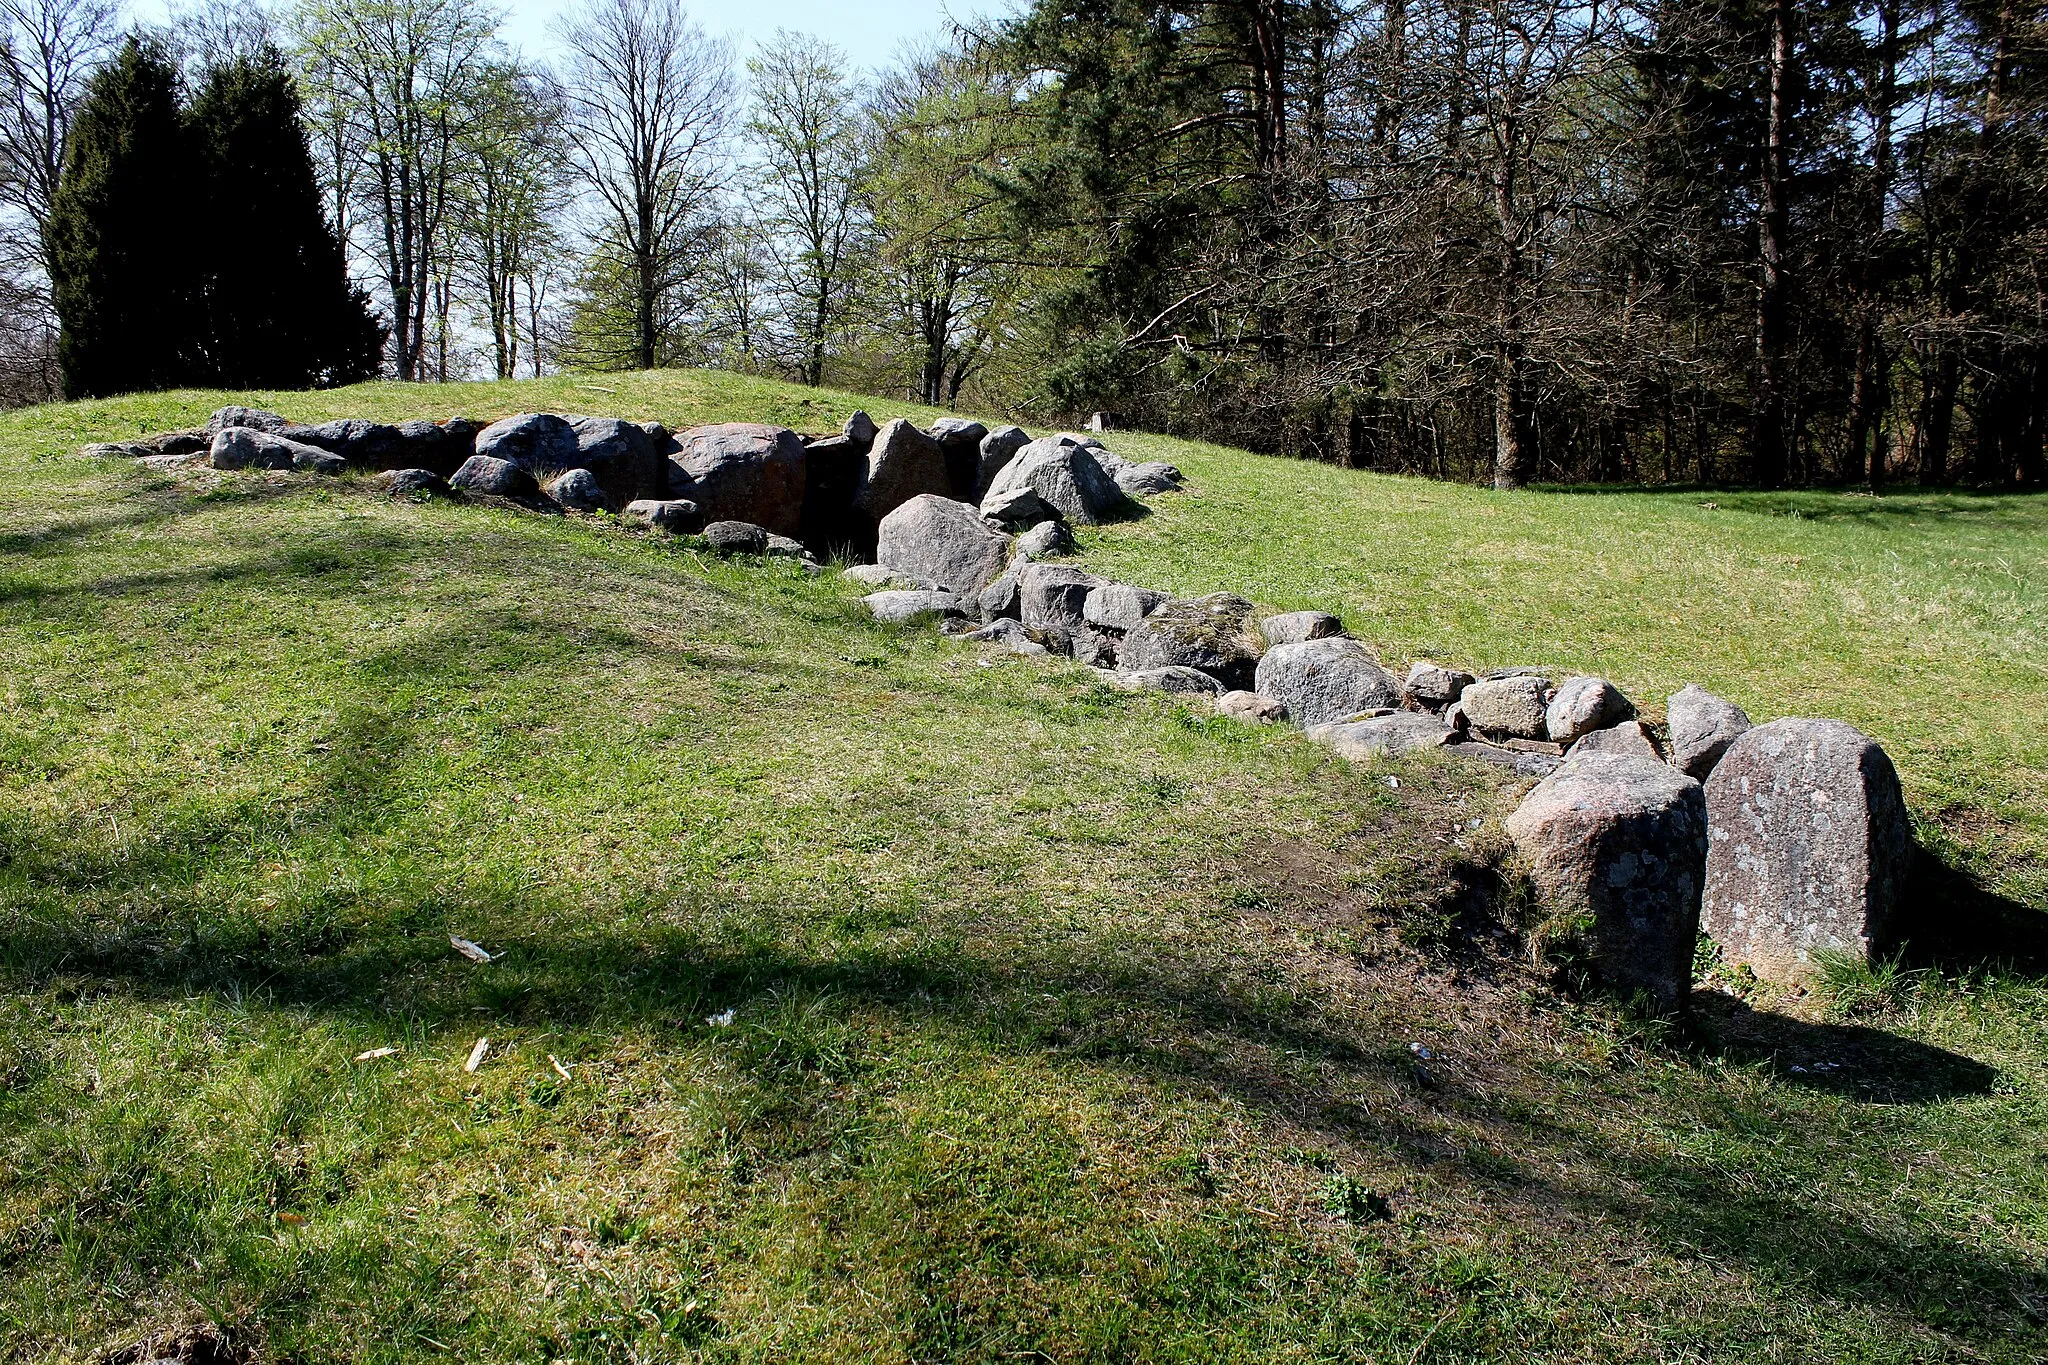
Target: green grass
column 1067, row 1024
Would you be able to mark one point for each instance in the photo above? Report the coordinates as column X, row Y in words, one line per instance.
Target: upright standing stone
column 902, row 463
column 1810, row 847
column 741, row 471
column 1623, row 840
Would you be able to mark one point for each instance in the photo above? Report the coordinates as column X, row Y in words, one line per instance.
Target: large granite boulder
column 1217, row 634
column 942, row 541
column 1324, row 680
column 1622, row 841
column 998, row 448
column 1147, row 478
column 860, row 429
column 539, row 442
column 622, row 456
column 439, row 446
column 1582, row 705
column 372, row 445
column 1629, row 737
column 1702, row 727
column 902, row 463
column 249, row 448
column 959, row 441
column 728, row 538
column 1063, row 476
column 1398, row 732
column 1292, row 627
column 1512, row 706
column 499, row 478
column 1810, row 847
column 741, row 471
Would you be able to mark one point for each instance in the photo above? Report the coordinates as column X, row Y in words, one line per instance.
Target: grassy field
column 1064, row 1024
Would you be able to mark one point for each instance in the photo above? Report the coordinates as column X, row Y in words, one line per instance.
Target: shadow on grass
column 1901, row 503
column 1853, row 1060
column 1954, row 923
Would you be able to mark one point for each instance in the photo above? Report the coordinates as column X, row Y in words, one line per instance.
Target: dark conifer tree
column 124, row 275
column 279, row 309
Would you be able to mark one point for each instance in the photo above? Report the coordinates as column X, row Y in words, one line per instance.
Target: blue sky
column 868, row 31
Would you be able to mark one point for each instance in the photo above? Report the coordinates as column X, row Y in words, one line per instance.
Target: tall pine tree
column 279, row 309
column 124, row 276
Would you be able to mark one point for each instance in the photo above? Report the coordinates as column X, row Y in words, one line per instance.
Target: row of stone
column 1781, row 841
column 828, row 492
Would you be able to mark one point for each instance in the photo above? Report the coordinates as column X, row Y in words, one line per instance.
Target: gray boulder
column 1215, row 634
column 1046, row 540
column 1094, row 647
column 439, row 446
column 1622, row 840
column 998, row 448
column 736, row 538
column 1017, row 507
column 1001, row 600
column 959, row 441
column 412, row 483
column 372, row 445
column 1054, row 597
column 1702, row 727
column 1119, row 606
column 579, row 491
column 1292, row 627
column 1324, row 680
column 499, row 478
column 255, row 419
column 1172, row 678
column 1432, row 687
column 1514, row 706
column 1397, row 732
column 902, row 463
column 1251, row 708
column 741, row 471
column 539, row 442
column 1629, row 737
column 784, row 547
column 860, row 429
column 941, row 541
column 1147, row 478
column 1064, row 477
column 902, row 606
column 677, row 516
column 248, row 448
column 1582, row 705
column 1810, row 845
column 875, row 576
column 622, row 456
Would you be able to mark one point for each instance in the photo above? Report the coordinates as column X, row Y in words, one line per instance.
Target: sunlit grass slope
column 1065, row 1024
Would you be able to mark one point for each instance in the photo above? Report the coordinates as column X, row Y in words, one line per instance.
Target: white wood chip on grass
column 376, row 1052
column 469, row 950
column 476, row 1054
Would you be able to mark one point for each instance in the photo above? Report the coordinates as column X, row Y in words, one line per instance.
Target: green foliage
column 123, row 240
column 1853, row 984
column 278, row 308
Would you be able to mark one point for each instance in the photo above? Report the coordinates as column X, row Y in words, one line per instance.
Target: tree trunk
column 1767, row 439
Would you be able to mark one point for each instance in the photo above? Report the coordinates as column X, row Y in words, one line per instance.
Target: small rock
column 1293, row 627
column 1522, row 764
column 1251, row 708
column 1174, row 678
column 1629, row 737
column 1054, row 596
column 876, row 576
column 736, row 538
column 1397, row 732
column 1513, row 706
column 1582, row 705
column 677, row 516
column 1433, row 687
column 412, row 483
column 785, row 547
column 1010, row 634
column 1046, row 540
column 1623, row 840
column 860, row 429
column 579, row 491
column 1018, row 507
column 1147, row 478
column 1119, row 606
column 1702, row 727
column 122, row 450
column 1000, row 600
column 256, row 419
column 902, row 606
column 499, row 478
